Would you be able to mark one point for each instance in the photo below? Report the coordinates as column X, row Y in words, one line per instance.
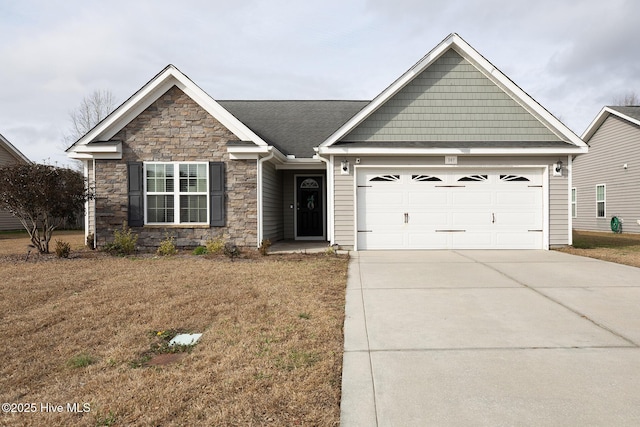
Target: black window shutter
column 216, row 188
column 136, row 194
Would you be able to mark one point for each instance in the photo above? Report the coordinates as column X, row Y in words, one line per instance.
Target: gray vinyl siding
column 8, row 221
column 451, row 101
column 558, row 204
column 287, row 203
column 344, row 206
column 272, row 224
column 559, row 210
column 615, row 143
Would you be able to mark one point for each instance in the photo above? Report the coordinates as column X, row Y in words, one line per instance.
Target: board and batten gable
column 451, row 100
column 614, row 144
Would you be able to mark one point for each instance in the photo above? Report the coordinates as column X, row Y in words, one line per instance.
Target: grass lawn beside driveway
column 619, row 248
column 84, row 330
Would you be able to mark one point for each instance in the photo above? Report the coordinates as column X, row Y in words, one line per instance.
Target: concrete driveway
column 490, row 338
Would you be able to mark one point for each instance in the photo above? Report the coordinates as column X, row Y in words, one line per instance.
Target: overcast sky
column 572, row 56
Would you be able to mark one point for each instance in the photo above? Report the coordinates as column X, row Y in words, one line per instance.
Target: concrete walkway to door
column 490, row 338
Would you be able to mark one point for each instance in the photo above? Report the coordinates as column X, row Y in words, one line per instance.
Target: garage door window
column 471, row 178
column 385, row 178
column 425, row 178
column 514, row 178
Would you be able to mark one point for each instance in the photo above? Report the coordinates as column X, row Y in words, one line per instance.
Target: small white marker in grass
column 185, row 339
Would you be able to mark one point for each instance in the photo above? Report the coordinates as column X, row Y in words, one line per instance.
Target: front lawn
column 619, row 248
column 84, row 330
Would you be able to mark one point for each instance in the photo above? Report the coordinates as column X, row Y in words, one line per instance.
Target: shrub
column 124, row 242
column 167, row 246
column 200, row 250
column 90, row 241
column 215, row 246
column 231, row 250
column 264, row 246
column 63, row 249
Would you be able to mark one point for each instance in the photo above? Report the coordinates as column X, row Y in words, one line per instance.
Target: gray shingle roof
column 294, row 127
column 632, row 111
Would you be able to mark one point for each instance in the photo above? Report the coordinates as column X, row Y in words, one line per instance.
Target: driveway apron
column 490, row 338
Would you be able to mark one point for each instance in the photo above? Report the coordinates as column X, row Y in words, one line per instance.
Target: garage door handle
column 493, row 218
column 406, row 218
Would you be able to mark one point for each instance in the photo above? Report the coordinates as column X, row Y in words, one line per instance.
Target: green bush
column 167, row 246
column 215, row 246
column 63, row 249
column 200, row 250
column 124, row 242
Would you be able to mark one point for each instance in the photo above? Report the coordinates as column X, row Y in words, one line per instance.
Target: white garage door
column 449, row 209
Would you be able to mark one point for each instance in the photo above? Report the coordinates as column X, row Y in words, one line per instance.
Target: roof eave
column 478, row 151
column 149, row 93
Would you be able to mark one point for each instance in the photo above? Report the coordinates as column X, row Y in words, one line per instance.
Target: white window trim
column 176, row 193
column 574, row 202
column 604, row 201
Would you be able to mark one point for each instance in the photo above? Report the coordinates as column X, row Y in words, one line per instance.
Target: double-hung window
column 574, row 202
column 176, row 193
column 601, row 201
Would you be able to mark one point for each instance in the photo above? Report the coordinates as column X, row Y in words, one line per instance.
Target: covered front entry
column 450, row 208
column 310, row 211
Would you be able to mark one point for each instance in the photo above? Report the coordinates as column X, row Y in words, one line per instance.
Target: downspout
column 329, row 197
column 570, row 184
column 259, row 191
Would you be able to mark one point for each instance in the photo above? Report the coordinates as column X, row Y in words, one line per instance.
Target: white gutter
column 259, row 191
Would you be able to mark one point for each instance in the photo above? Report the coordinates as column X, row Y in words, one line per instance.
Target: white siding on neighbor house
column 344, row 204
column 272, row 222
column 614, row 144
column 451, row 101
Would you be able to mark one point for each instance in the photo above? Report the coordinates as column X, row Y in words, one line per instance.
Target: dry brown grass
column 270, row 354
column 618, row 248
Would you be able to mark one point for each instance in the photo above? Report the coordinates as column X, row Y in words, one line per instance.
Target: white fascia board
column 600, row 119
column 94, row 156
column 388, row 93
column 469, row 53
column 108, row 147
column 13, row 150
column 519, row 95
column 153, row 90
column 448, row 151
column 596, row 123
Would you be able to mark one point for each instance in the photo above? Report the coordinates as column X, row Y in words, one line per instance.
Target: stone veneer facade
column 175, row 128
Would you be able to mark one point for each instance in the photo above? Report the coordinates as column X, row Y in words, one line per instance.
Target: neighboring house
column 8, row 156
column 453, row 154
column 605, row 182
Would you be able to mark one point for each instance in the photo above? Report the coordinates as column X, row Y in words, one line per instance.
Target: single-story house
column 452, row 155
column 10, row 155
column 605, row 182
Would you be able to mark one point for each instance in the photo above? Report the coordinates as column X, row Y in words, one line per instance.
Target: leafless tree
column 92, row 109
column 629, row 99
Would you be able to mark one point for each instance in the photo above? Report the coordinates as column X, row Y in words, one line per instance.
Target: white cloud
column 571, row 56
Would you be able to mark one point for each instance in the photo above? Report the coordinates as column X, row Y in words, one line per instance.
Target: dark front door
column 309, row 206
